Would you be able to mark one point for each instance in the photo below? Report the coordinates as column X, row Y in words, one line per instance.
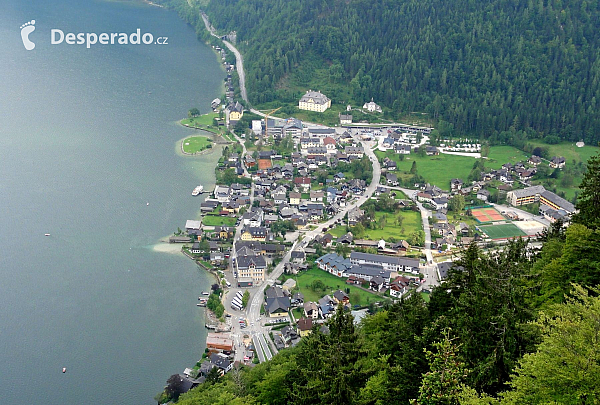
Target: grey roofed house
column 277, row 304
column 235, row 107
column 358, row 257
column 221, row 361
column 326, row 300
column 321, row 131
column 340, row 295
column 274, row 292
column 205, row 367
column 558, row 201
column 298, row 297
column 244, row 262
column 529, row 191
column 368, row 272
column 298, row 254
column 347, row 238
column 316, row 96
column 444, row 268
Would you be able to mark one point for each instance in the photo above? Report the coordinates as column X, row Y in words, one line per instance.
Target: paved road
column 430, row 269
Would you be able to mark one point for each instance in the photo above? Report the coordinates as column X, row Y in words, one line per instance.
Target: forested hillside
column 513, row 327
column 482, row 65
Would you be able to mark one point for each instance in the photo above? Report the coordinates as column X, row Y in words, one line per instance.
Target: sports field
column 501, row 231
column 487, row 215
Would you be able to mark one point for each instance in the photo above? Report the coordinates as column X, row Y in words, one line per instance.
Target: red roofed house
column 302, row 182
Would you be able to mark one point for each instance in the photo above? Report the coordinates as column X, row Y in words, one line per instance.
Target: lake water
column 87, row 139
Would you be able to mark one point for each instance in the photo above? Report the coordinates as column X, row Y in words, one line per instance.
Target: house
column 196, row 248
column 483, row 195
column 372, row 107
column 388, row 263
column 277, row 306
column 557, row 162
column 305, row 326
column 314, row 101
column 534, row 160
column 334, row 264
column 377, row 283
column 224, row 232
column 355, row 215
column 251, row 266
column 432, row 151
column 402, row 149
column 329, row 144
column 439, row 203
column 289, row 335
column 298, row 256
column 524, row 196
column 235, row 111
column 345, row 119
column 456, row 184
column 390, row 164
column 340, row 297
column 221, row 361
column 295, row 198
column 326, row 307
column 444, row 268
column 347, row 238
column 192, row 225
column 356, row 151
column 297, row 299
column 391, row 179
column 548, row 198
column 311, row 310
column 182, row 383
column 253, row 218
column 303, row 183
column 399, row 286
column 219, row 342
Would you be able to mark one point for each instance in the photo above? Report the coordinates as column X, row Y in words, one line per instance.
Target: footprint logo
column 27, row 29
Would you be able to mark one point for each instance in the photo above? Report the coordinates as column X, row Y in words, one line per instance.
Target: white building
column 314, row 101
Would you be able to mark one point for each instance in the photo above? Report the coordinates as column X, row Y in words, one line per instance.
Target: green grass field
column 500, row 155
column 332, row 283
column 195, row 144
column 202, row 120
column 569, row 151
column 438, row 170
column 502, row 231
column 213, row 220
column 411, row 223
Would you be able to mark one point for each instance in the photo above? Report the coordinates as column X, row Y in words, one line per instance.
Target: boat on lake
column 198, row 190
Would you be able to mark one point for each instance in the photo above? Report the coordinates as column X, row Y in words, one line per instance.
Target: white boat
column 46, row 234
column 198, row 190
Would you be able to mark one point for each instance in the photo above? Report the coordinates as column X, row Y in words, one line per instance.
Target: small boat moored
column 46, row 234
column 64, row 370
column 198, row 190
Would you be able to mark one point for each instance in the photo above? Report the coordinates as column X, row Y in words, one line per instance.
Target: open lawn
column 500, row 155
column 569, row 151
column 215, row 220
column 410, row 224
column 338, row 231
column 438, row 170
column 195, row 144
column 305, row 279
column 202, row 120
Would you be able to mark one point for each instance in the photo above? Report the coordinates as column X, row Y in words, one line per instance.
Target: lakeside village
column 294, row 203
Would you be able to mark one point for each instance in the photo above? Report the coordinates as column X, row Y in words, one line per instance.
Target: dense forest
column 482, row 66
column 517, row 326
